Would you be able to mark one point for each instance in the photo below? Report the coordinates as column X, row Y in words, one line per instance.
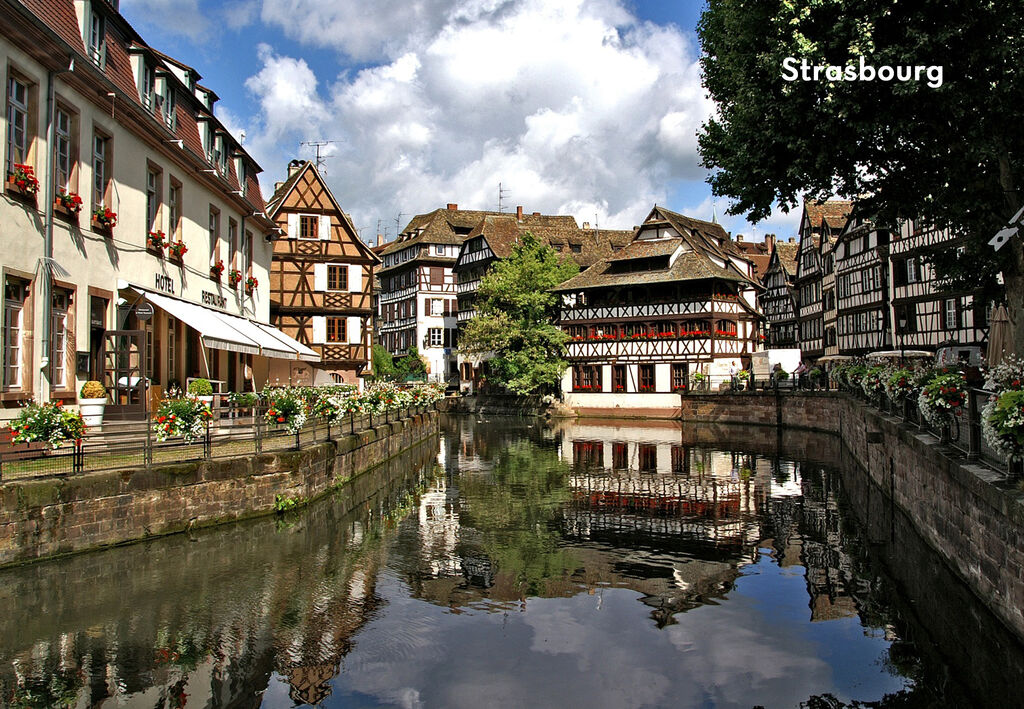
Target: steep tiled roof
column 787, row 256
column 690, row 266
column 835, row 212
column 647, row 248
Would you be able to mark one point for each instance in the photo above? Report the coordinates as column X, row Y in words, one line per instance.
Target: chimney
column 586, row 225
column 536, row 214
column 769, row 242
column 791, row 239
column 294, row 167
column 739, row 238
column 519, row 213
column 277, row 186
column 453, row 207
column 380, row 239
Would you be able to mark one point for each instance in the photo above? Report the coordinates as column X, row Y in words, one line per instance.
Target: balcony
column 389, row 297
column 467, row 287
column 652, row 310
column 465, row 316
column 655, row 349
column 397, row 324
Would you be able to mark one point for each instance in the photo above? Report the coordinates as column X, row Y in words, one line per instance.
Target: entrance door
column 124, row 357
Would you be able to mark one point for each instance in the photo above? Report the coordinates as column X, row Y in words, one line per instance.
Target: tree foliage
column 949, row 155
column 386, row 367
column 515, row 319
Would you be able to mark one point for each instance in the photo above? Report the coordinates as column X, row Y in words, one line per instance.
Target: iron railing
column 235, row 431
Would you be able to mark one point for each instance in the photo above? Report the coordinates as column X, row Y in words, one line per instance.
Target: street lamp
column 902, row 322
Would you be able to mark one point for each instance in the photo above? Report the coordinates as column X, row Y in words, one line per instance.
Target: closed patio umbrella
column 998, row 336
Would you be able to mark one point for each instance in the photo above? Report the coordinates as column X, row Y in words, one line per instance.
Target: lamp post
column 902, row 323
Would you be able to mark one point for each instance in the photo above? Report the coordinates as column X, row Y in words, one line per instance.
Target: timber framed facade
column 778, row 301
column 680, row 299
column 819, row 220
column 321, row 281
column 862, row 288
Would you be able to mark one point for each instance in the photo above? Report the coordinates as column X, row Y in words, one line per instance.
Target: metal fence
column 235, row 431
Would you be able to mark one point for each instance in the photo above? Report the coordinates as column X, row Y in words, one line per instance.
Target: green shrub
column 200, row 387
column 93, row 390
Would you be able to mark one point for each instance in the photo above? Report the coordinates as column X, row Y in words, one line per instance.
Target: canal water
column 509, row 564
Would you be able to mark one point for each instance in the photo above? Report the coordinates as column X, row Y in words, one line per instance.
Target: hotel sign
column 164, row 283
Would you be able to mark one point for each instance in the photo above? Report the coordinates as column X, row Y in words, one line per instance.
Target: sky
column 580, row 107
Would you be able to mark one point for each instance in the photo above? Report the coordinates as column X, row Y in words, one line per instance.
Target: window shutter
column 324, row 230
column 354, row 330
column 319, row 276
column 293, row 226
column 355, row 278
column 319, row 329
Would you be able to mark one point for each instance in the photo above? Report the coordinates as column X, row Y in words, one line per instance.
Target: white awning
column 208, row 323
column 269, row 346
column 305, row 353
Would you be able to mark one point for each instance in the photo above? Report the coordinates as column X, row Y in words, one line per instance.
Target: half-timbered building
column 924, row 316
column 678, row 300
column 418, row 304
column 829, row 313
column 494, row 238
column 321, row 281
column 862, row 288
column 778, row 302
column 817, row 218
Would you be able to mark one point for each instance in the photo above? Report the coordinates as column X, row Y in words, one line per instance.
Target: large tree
column 514, row 325
column 950, row 155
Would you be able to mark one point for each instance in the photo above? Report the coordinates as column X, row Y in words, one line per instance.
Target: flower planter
column 23, row 195
column 208, row 400
column 92, row 410
column 64, row 213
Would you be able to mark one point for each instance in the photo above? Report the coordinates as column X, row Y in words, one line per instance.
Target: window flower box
column 68, row 204
column 234, row 277
column 176, row 250
column 217, row 270
column 156, row 241
column 104, row 220
column 22, row 182
column 251, row 284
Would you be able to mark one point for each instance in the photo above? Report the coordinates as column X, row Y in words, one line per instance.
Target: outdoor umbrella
column 998, row 336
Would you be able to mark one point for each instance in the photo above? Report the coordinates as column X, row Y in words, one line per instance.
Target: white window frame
column 950, row 308
column 14, row 328
column 59, row 341
column 153, row 198
column 315, row 220
column 435, row 336
column 100, row 145
column 96, row 43
column 17, row 123
column 62, row 149
column 436, row 307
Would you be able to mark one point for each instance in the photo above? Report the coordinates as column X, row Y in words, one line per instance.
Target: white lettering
column 935, row 76
column 885, row 73
column 789, row 72
column 834, row 73
column 864, row 68
column 793, row 69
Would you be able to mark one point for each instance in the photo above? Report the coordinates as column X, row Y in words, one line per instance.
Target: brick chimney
column 536, row 214
column 294, row 166
column 380, row 239
column 791, row 239
column 586, row 225
column 453, row 207
column 519, row 213
column 769, row 242
column 739, row 238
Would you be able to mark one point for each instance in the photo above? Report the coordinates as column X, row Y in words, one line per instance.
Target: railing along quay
column 235, row 431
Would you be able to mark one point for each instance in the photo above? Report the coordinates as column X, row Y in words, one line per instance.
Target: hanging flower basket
column 287, row 410
column 1002, row 423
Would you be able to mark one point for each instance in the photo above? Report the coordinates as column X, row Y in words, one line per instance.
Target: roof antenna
column 398, row 223
column 501, row 198
column 316, row 145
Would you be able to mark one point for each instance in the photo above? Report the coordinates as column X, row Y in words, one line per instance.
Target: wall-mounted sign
column 217, row 301
column 144, row 311
column 164, row 283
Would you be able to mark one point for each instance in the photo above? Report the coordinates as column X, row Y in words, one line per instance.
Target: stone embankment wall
column 55, row 516
column 962, row 509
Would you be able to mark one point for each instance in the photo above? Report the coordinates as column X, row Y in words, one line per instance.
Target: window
column 100, row 160
column 208, row 139
column 951, row 314
column 906, row 318
column 679, row 376
column 576, row 248
column 435, row 336
column 588, row 453
column 153, row 198
column 618, row 377
column 17, row 123
column 248, row 255
column 96, row 43
column 913, row 271
column 222, row 155
column 147, row 89
column 439, row 249
column 646, row 377
column 174, row 209
column 15, row 292
column 336, row 329
column 170, row 350
column 678, row 459
column 620, row 456
column 214, row 235
column 170, row 111
column 59, row 340
column 648, row 455
column 436, row 276
column 62, row 150
column 337, row 277
column 436, row 306
column 233, row 243
column 309, row 226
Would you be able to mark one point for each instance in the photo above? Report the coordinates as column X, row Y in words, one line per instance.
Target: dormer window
column 208, row 145
column 147, row 86
column 96, row 39
column 168, row 105
column 221, row 157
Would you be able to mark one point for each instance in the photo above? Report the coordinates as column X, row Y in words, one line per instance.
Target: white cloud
column 574, row 106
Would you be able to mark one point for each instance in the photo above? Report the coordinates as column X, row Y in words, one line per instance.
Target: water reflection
column 594, row 564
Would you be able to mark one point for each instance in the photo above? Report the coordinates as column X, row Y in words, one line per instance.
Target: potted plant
column 251, row 284
column 23, row 180
column 216, row 270
column 288, row 410
column 186, row 417
column 92, row 400
column 177, row 250
column 68, row 202
column 942, row 398
column 234, row 277
column 155, row 241
column 50, row 423
column 701, row 381
column 203, row 389
column 104, row 219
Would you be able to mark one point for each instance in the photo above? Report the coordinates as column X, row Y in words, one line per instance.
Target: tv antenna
column 398, row 223
column 501, row 198
column 316, row 145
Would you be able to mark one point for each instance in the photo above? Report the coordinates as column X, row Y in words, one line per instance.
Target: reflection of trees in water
column 208, row 617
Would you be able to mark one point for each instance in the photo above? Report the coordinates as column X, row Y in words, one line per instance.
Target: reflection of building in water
column 439, row 527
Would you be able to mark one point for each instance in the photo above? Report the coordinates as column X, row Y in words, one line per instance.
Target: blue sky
column 582, row 107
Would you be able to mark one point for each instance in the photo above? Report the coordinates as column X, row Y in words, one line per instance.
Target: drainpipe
column 45, row 271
